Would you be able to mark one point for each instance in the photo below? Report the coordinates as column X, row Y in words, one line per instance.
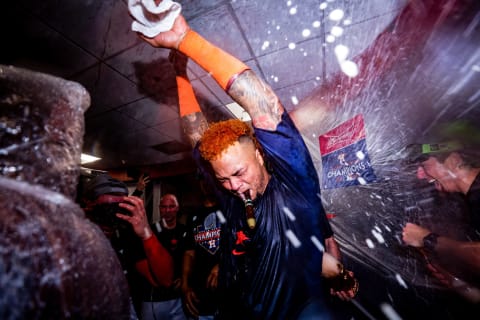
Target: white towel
column 151, row 19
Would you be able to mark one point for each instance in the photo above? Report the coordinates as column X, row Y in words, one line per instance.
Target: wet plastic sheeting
column 420, row 76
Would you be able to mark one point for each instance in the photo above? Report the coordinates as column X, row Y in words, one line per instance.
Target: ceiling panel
column 291, row 44
column 150, row 112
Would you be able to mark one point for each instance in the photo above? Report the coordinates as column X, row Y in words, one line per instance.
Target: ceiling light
column 86, row 158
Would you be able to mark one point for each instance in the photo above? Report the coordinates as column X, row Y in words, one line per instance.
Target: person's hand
column 351, row 291
column 212, row 280
column 169, row 39
column 190, row 301
column 177, row 284
column 142, row 182
column 413, row 235
column 343, row 283
column 138, row 219
column 179, row 62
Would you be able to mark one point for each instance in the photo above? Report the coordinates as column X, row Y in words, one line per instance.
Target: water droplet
column 341, row 52
column 265, row 45
column 336, row 15
column 294, row 100
column 350, row 68
column 336, row 31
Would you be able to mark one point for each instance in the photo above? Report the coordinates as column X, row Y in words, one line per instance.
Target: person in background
column 142, row 182
column 272, row 261
column 451, row 170
column 123, row 220
column 165, row 302
column 201, row 257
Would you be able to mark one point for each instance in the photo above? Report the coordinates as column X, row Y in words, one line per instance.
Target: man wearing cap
column 123, row 220
column 451, row 169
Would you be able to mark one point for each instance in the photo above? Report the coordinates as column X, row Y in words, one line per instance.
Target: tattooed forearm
column 258, row 99
column 194, row 125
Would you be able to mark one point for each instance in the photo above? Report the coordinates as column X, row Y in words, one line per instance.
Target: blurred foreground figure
column 54, row 263
column 276, row 242
column 453, row 170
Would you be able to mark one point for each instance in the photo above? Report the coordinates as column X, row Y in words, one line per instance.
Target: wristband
column 147, row 234
column 220, row 64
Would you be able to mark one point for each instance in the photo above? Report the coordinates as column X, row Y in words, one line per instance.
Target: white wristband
column 147, row 233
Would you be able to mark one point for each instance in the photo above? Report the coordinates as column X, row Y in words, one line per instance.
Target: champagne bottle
column 249, row 209
column 344, row 281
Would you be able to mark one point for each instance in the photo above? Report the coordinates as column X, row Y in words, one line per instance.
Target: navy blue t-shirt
column 203, row 236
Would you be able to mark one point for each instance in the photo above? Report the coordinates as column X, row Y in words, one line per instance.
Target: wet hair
column 221, row 135
column 470, row 158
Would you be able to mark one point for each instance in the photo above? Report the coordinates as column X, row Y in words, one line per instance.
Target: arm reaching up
column 242, row 84
column 193, row 121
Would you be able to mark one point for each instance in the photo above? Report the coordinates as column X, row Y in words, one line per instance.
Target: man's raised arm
column 242, row 84
column 193, row 121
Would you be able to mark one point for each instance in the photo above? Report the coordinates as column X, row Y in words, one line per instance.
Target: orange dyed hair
column 221, row 135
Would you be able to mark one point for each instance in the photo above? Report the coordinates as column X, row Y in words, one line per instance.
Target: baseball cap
column 104, row 184
column 417, row 152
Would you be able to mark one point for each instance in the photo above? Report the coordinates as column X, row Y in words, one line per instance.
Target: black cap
column 104, row 184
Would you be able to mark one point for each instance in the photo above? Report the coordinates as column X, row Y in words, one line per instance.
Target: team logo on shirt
column 241, row 244
column 207, row 235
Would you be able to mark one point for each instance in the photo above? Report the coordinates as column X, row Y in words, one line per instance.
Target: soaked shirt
column 274, row 271
column 203, row 236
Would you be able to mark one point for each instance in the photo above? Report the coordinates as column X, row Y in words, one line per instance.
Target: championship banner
column 345, row 160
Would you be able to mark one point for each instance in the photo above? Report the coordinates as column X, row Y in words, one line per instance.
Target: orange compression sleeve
column 186, row 97
column 159, row 261
column 223, row 66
